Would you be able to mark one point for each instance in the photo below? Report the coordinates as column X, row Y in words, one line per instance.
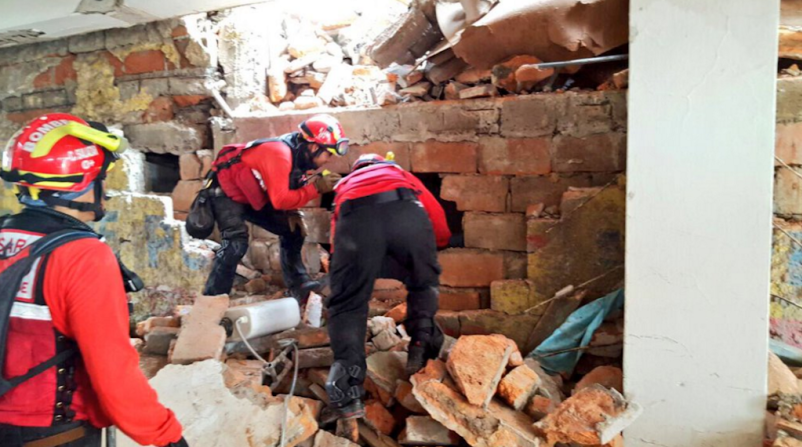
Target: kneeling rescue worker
column 265, row 182
column 386, row 224
column 68, row 367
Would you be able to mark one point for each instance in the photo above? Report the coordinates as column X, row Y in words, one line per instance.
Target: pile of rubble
column 784, row 407
column 481, row 391
column 429, row 53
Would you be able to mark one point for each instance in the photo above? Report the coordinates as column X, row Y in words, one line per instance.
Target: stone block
column 518, row 386
column 593, row 416
column 547, row 190
column 514, row 296
column 378, row 418
column 86, row 43
column 184, row 193
column 514, row 156
column 326, row 439
column 470, row 268
column 423, row 430
column 435, row 156
column 531, row 115
column 476, row 192
column 495, row 231
column 594, row 153
column 460, row 299
column 587, row 242
column 386, row 369
column 165, row 137
column 606, row 376
column 476, row 364
column 318, row 225
column 201, row 336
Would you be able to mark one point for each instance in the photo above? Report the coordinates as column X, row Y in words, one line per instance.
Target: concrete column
column 700, row 167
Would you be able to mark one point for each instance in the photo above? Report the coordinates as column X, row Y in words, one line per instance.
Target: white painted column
column 700, row 167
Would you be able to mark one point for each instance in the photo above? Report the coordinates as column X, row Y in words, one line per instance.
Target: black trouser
column 389, row 240
column 231, row 217
column 14, row 436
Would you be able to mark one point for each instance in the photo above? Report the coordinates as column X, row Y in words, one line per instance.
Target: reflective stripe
column 28, row 311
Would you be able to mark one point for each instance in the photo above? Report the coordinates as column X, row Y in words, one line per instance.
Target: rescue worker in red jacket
column 70, row 311
column 265, row 182
column 385, row 224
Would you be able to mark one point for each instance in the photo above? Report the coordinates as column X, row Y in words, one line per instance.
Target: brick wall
column 495, row 158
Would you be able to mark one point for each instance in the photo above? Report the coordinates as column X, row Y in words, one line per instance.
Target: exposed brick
column 160, row 109
column 595, row 153
column 586, row 114
column 146, row 61
column 184, row 193
column 518, row 386
column 476, row 364
column 377, row 417
column 539, row 406
column 789, row 143
column 398, row 313
column 403, row 395
column 606, row 376
column 202, row 337
column 116, row 63
column 470, row 268
column 788, row 191
column 188, row 100
column 547, row 190
column 44, row 100
column 459, row 299
column 513, row 296
column 531, row 115
column 514, row 156
column 476, row 192
column 64, row 71
column 503, row 74
column 342, row 165
column 43, row 79
column 435, row 156
column 495, row 231
column 189, row 166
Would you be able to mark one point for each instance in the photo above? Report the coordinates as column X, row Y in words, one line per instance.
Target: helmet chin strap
column 67, row 199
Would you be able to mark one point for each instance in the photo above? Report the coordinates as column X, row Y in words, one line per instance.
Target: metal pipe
column 589, row 60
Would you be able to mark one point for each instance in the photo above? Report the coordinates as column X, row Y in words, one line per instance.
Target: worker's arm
column 96, row 309
column 436, row 214
column 273, row 161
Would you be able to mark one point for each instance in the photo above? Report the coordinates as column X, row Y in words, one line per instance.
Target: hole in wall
column 161, row 173
column 434, row 182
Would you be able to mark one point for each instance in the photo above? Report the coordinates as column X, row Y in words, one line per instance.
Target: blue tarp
column 576, row 332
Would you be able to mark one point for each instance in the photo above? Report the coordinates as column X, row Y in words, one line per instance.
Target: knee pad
column 339, row 384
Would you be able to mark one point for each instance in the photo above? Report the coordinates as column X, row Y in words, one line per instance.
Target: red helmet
column 59, row 152
column 366, row 160
column 327, row 132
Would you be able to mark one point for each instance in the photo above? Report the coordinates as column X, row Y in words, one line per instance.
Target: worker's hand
column 296, row 222
column 325, row 183
column 181, row 443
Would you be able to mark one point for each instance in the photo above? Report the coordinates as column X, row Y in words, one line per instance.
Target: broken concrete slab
column 476, row 363
column 202, row 337
column 518, row 386
column 386, row 369
column 424, row 431
column 593, row 416
column 213, row 417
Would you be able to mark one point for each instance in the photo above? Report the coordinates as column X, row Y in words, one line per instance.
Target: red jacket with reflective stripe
column 85, row 301
column 385, row 177
column 263, row 175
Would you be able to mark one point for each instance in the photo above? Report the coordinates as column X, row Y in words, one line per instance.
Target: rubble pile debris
column 447, row 50
column 481, row 390
column 784, row 405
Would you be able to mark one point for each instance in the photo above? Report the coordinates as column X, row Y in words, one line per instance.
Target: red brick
column 595, row 153
column 470, row 268
column 144, row 62
column 379, row 418
column 606, row 376
column 547, row 190
column 160, row 109
column 398, row 313
column 514, row 156
column 503, row 74
column 188, row 100
column 65, row 71
column 435, row 156
column 114, row 62
column 179, row 31
column 476, row 192
column 189, row 166
column 184, row 193
column 789, row 143
column 459, row 299
column 495, row 231
column 518, row 386
column 342, row 165
column 476, row 364
column 44, row 79
column 539, row 406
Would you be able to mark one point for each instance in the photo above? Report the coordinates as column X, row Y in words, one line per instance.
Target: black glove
column 181, row 443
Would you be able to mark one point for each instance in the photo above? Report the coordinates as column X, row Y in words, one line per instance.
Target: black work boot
column 301, row 292
column 427, row 339
column 344, row 387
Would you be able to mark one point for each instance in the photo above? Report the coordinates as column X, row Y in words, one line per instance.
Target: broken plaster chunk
column 593, row 416
column 380, row 324
column 386, row 340
column 386, row 369
column 476, row 364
